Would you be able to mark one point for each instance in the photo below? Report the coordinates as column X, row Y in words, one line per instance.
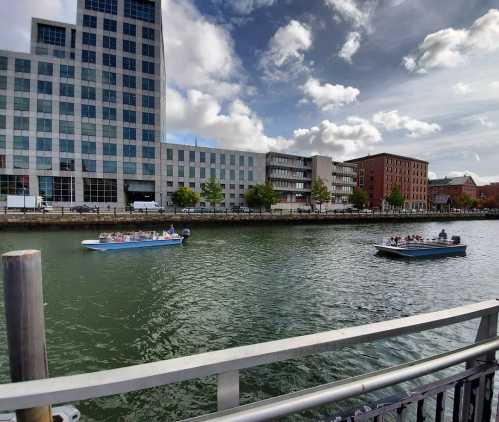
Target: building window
column 129, row 46
column 88, row 111
column 192, row 172
column 213, row 172
column 129, row 133
column 13, row 185
column 148, row 152
column 108, row 78
column 129, row 116
column 140, row 9
column 147, row 84
column 66, row 109
column 169, row 171
column 222, row 174
column 89, row 21
column 66, row 127
column 148, row 50
column 100, row 190
column 21, row 104
column 88, row 129
column 148, row 33
column 104, row 6
column 148, row 169
column 88, row 93
column 109, row 167
column 21, row 162
column 129, row 151
column 44, row 106
column 232, row 160
column 108, row 113
column 109, row 60
column 88, row 166
column 4, row 61
column 129, row 64
column 3, row 82
column 213, row 158
column 57, row 189
column 109, row 42
column 148, row 101
column 44, row 163
column 21, row 123
column 53, row 35
column 110, row 25
column 232, row 175
column 66, row 90
column 2, row 141
column 169, row 154
column 148, row 135
column 241, row 161
column 181, row 171
column 44, row 144
column 88, row 56
column 109, row 131
column 61, row 54
column 129, row 81
column 2, row 161
column 89, row 39
column 148, row 67
column 108, row 96
column 67, row 164
column 22, row 85
column 129, row 99
column 250, row 162
column 202, row 173
column 21, row 143
column 88, row 74
column 88, row 147
column 46, row 69
column 241, row 174
column 148, row 119
column 222, row 159
column 129, row 168
column 23, row 66
column 66, row 145
column 129, row 29
column 250, row 175
column 3, row 122
column 45, row 87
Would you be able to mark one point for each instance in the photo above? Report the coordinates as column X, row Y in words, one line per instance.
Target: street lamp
column 24, row 198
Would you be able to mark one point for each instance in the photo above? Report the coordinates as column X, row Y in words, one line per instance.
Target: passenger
column 171, row 230
column 442, row 235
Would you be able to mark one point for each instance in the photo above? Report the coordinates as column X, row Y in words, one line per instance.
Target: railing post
column 23, row 293
column 228, row 390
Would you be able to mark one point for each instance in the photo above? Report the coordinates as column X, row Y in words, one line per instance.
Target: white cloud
column 451, row 47
column 351, row 46
column 477, row 157
column 392, row 120
column 494, row 85
column 482, row 120
column 462, row 89
column 246, row 7
column 285, row 55
column 356, row 136
column 349, row 11
column 432, row 175
column 329, row 96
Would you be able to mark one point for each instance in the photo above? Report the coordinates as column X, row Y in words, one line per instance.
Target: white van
column 146, row 206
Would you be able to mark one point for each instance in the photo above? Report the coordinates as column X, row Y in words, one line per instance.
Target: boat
column 61, row 413
column 120, row 241
column 417, row 247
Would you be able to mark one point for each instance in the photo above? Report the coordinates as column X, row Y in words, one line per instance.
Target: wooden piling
column 23, row 293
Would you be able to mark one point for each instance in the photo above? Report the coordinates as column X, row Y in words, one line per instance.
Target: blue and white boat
column 113, row 242
column 422, row 248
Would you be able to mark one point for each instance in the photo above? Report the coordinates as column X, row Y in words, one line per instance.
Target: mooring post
column 23, row 294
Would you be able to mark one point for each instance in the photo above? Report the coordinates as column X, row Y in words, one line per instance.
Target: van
column 147, row 206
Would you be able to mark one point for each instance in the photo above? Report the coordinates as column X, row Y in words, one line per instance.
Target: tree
column 464, row 201
column 359, row 198
column 262, row 196
column 396, row 199
column 320, row 192
column 213, row 192
column 185, row 197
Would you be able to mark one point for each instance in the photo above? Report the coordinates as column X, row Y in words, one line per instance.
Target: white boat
column 422, row 248
column 107, row 242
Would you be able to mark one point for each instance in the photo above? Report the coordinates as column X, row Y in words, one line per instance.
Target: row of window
column 109, row 60
column 203, row 157
column 110, row 43
column 193, row 172
column 134, row 9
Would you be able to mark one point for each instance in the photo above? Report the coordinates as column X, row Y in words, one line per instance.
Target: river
column 240, row 285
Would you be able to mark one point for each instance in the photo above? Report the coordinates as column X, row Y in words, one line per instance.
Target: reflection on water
column 234, row 286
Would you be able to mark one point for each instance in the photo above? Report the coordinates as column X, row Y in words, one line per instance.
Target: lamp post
column 24, row 198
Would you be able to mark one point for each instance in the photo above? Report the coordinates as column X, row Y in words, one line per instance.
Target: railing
column 473, row 401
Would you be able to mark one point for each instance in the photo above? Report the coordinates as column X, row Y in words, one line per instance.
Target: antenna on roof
column 196, row 142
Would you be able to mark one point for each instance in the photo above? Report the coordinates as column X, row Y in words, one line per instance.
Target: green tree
column 396, row 199
column 464, row 201
column 185, row 197
column 213, row 192
column 359, row 198
column 262, row 196
column 320, row 192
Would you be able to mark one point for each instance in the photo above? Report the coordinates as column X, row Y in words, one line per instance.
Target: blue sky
column 336, row 77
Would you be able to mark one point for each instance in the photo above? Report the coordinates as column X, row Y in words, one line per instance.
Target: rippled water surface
column 242, row 285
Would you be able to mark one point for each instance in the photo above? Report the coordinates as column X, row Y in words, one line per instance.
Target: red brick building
column 489, row 194
column 449, row 189
column 379, row 174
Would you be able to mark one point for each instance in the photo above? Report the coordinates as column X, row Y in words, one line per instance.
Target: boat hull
column 422, row 251
column 95, row 245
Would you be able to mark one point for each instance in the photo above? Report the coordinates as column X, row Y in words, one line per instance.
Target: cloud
column 392, row 120
column 351, row 46
column 482, row 120
column 356, row 136
column 349, row 11
column 246, row 7
column 285, row 56
column 451, row 47
column 462, row 89
column 328, row 96
column 432, row 175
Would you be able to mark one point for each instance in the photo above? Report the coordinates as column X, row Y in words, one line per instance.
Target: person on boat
column 442, row 235
column 171, row 230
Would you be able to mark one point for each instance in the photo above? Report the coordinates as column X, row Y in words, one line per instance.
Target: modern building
column 444, row 192
column 293, row 175
column 190, row 166
column 81, row 114
column 379, row 174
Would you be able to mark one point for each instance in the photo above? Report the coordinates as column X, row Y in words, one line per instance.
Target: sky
column 343, row 78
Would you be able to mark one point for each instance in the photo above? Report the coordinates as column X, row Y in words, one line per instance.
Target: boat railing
column 473, row 388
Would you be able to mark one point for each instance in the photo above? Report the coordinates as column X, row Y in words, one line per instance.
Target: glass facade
column 100, row 190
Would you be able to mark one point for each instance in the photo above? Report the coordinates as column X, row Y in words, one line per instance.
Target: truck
column 147, row 206
column 30, row 202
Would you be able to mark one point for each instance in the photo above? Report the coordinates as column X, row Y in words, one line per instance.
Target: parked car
column 240, row 209
column 147, row 206
column 83, row 209
column 189, row 210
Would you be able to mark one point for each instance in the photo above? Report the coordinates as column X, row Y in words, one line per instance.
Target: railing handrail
column 143, row 376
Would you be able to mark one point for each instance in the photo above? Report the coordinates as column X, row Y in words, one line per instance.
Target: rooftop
column 386, row 154
column 452, row 181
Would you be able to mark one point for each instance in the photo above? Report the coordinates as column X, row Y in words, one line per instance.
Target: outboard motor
column 456, row 240
column 186, row 233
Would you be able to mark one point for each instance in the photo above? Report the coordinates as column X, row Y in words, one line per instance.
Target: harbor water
column 232, row 286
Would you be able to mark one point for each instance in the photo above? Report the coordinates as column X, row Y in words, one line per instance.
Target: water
column 241, row 285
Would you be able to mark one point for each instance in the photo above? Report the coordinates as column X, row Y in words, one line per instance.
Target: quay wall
column 73, row 220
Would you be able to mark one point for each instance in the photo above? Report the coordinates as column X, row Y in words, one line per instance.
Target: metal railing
column 477, row 385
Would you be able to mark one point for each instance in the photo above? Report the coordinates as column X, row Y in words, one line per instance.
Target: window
column 4, row 61
column 21, row 162
column 232, row 160
column 88, row 74
column 88, row 147
column 129, row 46
column 109, row 167
column 192, row 156
column 2, row 161
column 88, row 166
column 129, row 64
column 44, row 106
column 100, row 190
column 44, row 163
column 169, row 171
column 66, row 109
column 129, row 133
column 192, row 172
column 105, row 6
column 213, row 172
column 148, row 101
column 3, row 82
column 148, row 67
column 58, row 189
column 129, row 99
column 169, row 154
column 3, row 102
column 109, row 42
column 202, row 173
column 213, row 158
column 148, row 152
column 148, row 33
column 108, row 96
column 67, row 71
column 129, row 29
column 88, row 93
column 180, row 155
column 148, row 119
column 148, row 50
column 181, row 171
column 3, row 122
column 66, row 90
column 23, row 66
column 13, row 185
column 241, row 161
column 147, row 84
column 140, row 9
column 108, row 78
column 45, row 87
column 109, row 60
column 232, row 175
column 109, row 131
column 46, row 69
column 250, row 175
column 110, row 25
column 53, row 35
column 22, row 85
column 202, row 157
column 66, row 127
column 129, row 116
column 250, row 162
column 241, row 174
column 148, row 135
column 89, row 21
column 21, row 143
column 61, row 54
column 148, row 169
column 129, row 81
column 222, row 159
column 88, row 129
column 89, row 39
column 21, row 123
column 21, row 104
column 129, row 151
column 88, row 56
column 43, row 125
column 66, row 164
column 66, row 145
column 129, row 168
column 43, row 144
column 108, row 113
column 88, row 111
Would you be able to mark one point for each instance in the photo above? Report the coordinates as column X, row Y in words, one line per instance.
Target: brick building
column 379, row 174
column 446, row 191
column 489, row 194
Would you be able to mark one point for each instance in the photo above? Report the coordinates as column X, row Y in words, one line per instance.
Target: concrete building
column 379, row 174
column 445, row 192
column 81, row 115
column 191, row 166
